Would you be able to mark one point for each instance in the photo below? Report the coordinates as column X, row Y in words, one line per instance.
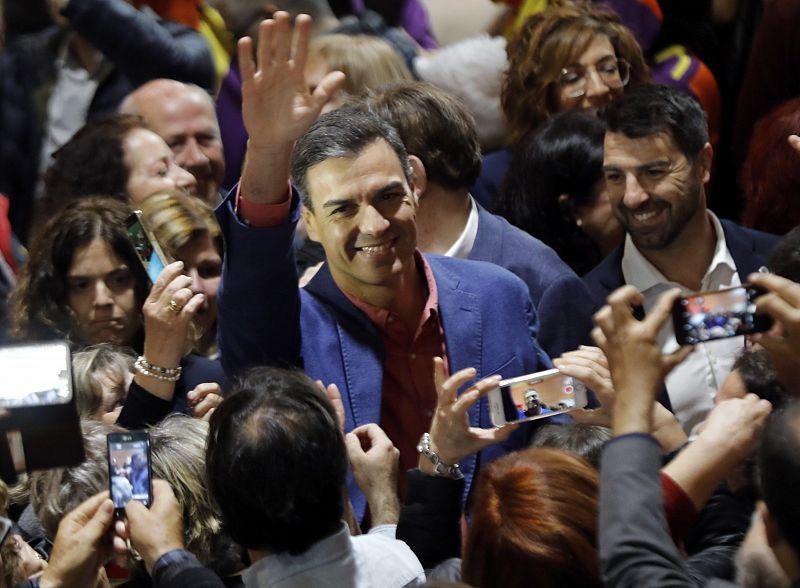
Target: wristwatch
column 445, row 470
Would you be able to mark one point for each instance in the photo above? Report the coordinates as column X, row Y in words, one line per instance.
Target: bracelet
column 146, row 368
column 445, row 470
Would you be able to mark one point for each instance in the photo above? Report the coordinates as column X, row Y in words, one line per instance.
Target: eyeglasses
column 614, row 73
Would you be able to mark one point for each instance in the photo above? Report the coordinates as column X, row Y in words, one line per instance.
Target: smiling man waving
column 377, row 313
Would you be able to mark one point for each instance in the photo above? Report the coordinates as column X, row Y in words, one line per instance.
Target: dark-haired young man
column 377, row 313
column 435, row 127
column 657, row 160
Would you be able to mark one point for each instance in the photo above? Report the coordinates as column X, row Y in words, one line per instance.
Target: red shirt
column 409, row 394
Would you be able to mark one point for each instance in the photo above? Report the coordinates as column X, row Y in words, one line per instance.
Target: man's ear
column 704, row 162
column 419, row 183
column 310, row 221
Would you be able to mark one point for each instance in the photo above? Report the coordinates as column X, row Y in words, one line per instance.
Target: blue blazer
column 749, row 249
column 264, row 318
column 562, row 300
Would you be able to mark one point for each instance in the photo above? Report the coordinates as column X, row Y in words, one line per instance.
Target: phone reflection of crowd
column 326, row 210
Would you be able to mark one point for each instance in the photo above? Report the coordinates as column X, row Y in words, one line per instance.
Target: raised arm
column 277, row 106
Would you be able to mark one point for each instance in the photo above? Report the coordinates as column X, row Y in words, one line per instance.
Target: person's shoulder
column 470, row 271
column 607, row 275
column 381, row 554
column 759, row 238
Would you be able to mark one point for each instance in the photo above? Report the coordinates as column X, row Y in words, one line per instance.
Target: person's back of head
column 785, row 257
column 368, row 62
column 586, row 441
column 534, row 523
column 435, row 127
column 555, row 172
column 771, row 174
column 649, row 110
column 276, row 462
column 778, row 463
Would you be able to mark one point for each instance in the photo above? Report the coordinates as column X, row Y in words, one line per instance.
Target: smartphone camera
column 129, row 469
column 708, row 316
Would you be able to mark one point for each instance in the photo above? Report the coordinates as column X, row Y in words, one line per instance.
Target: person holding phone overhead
column 378, row 311
column 84, row 283
column 656, row 162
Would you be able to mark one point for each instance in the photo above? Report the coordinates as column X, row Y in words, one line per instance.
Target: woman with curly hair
column 84, row 283
column 571, row 55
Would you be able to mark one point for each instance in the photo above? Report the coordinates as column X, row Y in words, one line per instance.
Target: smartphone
column 535, row 396
column 37, row 405
column 707, row 316
column 129, row 469
column 146, row 245
column 35, row 374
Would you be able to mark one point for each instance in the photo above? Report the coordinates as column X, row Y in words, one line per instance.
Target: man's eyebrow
column 336, row 202
column 390, row 187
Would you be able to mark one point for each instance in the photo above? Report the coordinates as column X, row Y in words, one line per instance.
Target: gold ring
column 174, row 306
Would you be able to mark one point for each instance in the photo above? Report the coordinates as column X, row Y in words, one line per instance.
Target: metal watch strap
column 445, row 470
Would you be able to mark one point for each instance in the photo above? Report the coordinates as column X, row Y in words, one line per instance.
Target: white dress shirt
column 692, row 385
column 463, row 245
column 374, row 560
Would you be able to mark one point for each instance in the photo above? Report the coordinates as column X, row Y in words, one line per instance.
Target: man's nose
column 372, row 221
column 635, row 194
column 192, row 156
column 183, row 179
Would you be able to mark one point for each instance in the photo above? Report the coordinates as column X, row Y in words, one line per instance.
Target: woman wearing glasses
column 568, row 57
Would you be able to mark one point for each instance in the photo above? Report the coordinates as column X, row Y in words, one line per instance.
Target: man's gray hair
column 342, row 133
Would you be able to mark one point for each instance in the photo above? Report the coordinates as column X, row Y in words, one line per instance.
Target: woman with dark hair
column 771, row 173
column 84, row 283
column 555, row 190
column 117, row 156
column 77, row 251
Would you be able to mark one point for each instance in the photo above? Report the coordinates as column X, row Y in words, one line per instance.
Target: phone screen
column 708, row 316
column 35, row 374
column 148, row 251
column 536, row 396
column 129, row 468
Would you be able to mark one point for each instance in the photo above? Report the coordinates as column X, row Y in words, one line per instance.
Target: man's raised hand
column 277, row 105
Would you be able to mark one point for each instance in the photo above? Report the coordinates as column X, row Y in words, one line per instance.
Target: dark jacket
column 562, row 301
column 138, row 48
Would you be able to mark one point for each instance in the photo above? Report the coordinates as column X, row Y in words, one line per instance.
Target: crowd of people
column 364, row 234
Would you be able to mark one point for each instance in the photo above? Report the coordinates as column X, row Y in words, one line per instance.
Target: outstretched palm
column 277, row 106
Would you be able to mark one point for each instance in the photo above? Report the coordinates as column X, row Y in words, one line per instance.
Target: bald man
column 185, row 117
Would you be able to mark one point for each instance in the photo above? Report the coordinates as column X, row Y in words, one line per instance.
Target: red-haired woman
column 771, row 174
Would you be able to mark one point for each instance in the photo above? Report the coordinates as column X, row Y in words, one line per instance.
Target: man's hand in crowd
column 157, row 530
column 452, row 437
column 82, row 545
column 729, row 435
column 374, row 460
column 782, row 303
column 637, row 365
column 590, row 366
column 277, row 104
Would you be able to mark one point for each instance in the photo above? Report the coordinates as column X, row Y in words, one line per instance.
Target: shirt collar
column 272, row 569
column 380, row 316
column 463, row 245
column 643, row 275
